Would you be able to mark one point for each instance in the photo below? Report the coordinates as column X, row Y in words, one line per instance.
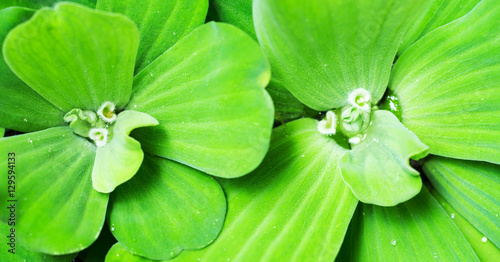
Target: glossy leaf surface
column 208, row 94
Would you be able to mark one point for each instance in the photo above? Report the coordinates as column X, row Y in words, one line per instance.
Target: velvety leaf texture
column 472, row 188
column 55, row 54
column 323, row 50
column 416, row 230
column 58, row 211
column 210, row 101
column 21, row 108
column 165, row 208
column 161, row 23
column 294, row 207
column 448, row 86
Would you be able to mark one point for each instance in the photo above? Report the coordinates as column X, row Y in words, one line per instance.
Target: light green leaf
column 435, row 14
column 416, row 230
column 236, row 12
column 484, row 249
column 161, row 23
column 472, row 188
column 322, row 50
column 294, row 207
column 448, row 86
column 208, row 94
column 21, row 108
column 75, row 57
column 118, row 253
column 57, row 210
column 165, row 208
column 36, row 4
column 377, row 169
column 16, row 252
column 118, row 161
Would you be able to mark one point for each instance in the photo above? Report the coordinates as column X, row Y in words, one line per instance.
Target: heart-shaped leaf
column 472, row 188
column 208, row 94
column 416, row 230
column 320, row 61
column 121, row 157
column 161, row 23
column 165, row 208
column 75, row 57
column 377, row 169
column 21, row 108
column 57, row 210
column 447, row 85
column 293, row 207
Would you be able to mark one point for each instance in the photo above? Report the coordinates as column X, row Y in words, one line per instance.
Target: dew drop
column 30, row 141
column 452, row 215
column 135, row 106
column 325, row 65
column 394, row 242
column 303, row 155
column 112, row 228
column 26, row 120
column 216, row 219
column 484, row 239
column 174, row 33
column 151, row 74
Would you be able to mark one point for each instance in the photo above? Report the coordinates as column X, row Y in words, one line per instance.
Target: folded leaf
column 378, row 169
column 165, row 208
column 294, row 207
column 57, row 210
column 75, row 57
column 417, row 230
column 448, row 86
column 161, row 23
column 21, row 108
column 472, row 188
column 320, row 61
column 119, row 160
column 208, row 94
column 435, row 14
column 484, row 249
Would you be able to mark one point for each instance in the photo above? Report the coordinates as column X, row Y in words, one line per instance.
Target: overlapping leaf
column 161, row 23
column 165, row 208
column 294, row 207
column 73, row 63
column 448, row 86
column 58, row 211
column 210, row 101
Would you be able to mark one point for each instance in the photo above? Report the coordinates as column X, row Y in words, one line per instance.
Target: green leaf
column 118, row 253
column 36, row 4
column 75, row 57
column 236, row 12
column 484, row 249
column 320, row 61
column 165, row 208
column 21, row 108
column 118, row 161
column 57, row 210
column 294, row 207
column 435, row 14
column 20, row 253
column 472, row 188
column 447, row 85
column 286, row 106
column 208, row 94
column 377, row 169
column 161, row 23
column 416, row 230
column 2, row 132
